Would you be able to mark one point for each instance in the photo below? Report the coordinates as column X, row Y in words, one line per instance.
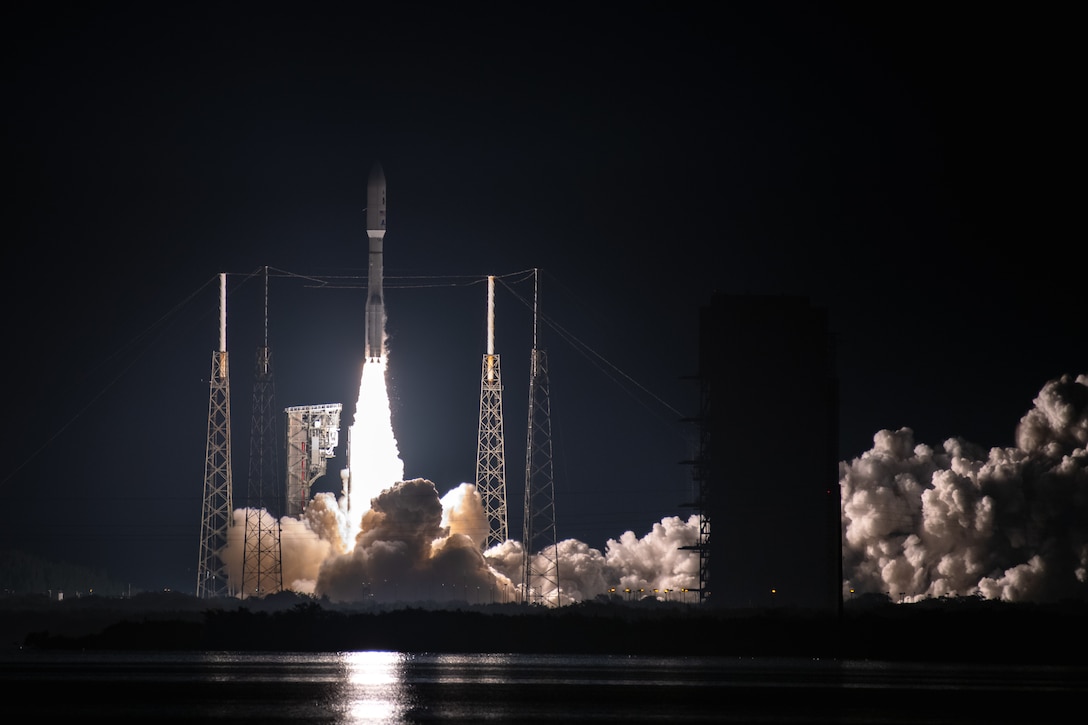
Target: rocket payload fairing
column 375, row 231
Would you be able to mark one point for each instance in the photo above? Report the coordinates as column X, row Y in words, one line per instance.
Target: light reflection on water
column 351, row 687
column 374, row 690
column 390, row 688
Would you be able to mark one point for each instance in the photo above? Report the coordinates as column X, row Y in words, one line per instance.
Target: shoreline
column 934, row 631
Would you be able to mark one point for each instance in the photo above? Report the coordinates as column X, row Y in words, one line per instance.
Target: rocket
column 375, row 231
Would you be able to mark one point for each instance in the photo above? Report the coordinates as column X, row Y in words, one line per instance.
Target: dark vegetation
column 22, row 572
column 964, row 630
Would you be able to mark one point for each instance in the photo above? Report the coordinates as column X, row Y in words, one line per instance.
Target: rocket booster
column 375, row 231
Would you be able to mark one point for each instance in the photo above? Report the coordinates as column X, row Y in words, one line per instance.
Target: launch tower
column 262, row 565
column 211, row 573
column 313, row 432
column 541, row 581
column 491, row 448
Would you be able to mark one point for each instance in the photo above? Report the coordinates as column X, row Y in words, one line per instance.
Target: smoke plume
column 917, row 522
column 415, row 546
column 1008, row 524
column 387, row 540
column 629, row 567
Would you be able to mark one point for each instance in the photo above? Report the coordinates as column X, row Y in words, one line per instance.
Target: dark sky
column 906, row 167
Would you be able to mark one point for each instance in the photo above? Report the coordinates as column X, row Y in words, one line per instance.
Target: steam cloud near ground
column 1008, row 523
column 917, row 522
column 414, row 545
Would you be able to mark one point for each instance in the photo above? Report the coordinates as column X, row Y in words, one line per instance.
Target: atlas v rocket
column 375, row 230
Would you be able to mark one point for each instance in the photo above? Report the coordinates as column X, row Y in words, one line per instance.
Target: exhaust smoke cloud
column 917, row 522
column 386, row 539
column 1008, row 523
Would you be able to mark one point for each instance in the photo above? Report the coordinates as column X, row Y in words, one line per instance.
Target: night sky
column 907, row 168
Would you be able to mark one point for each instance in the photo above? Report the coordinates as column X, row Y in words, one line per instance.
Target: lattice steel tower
column 541, row 583
column 700, row 474
column 491, row 446
column 211, row 574
column 262, row 563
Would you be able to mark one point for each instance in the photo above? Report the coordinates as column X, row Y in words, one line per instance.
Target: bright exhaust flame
column 374, row 462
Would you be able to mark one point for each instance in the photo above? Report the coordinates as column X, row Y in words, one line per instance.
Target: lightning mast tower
column 541, row 581
column 211, row 574
column 491, row 448
column 262, row 562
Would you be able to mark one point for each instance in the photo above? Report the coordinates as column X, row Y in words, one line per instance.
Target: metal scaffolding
column 262, row 562
column 700, row 474
column 211, row 575
column 491, row 446
column 541, row 582
column 313, row 432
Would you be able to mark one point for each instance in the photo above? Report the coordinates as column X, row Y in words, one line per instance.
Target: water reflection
column 389, row 687
column 374, row 689
column 485, row 669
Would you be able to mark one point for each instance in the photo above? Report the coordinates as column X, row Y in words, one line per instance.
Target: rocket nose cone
column 377, row 175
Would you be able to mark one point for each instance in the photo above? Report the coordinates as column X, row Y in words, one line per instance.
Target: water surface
column 392, row 688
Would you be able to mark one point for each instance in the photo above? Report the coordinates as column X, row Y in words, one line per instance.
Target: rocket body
column 375, row 232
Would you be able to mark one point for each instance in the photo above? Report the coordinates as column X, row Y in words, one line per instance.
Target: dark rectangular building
column 769, row 466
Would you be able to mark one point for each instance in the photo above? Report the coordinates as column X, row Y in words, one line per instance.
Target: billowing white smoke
column 415, row 546
column 308, row 541
column 403, row 552
column 630, row 567
column 1009, row 524
column 389, row 540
